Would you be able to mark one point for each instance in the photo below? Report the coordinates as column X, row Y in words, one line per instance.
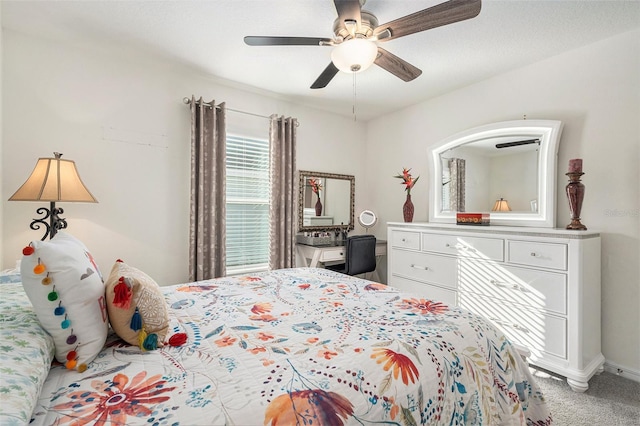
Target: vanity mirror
column 367, row 219
column 326, row 201
column 507, row 169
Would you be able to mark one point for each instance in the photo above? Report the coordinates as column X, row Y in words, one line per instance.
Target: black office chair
column 360, row 256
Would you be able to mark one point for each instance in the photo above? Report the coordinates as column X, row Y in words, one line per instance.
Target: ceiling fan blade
column 348, row 10
column 287, row 41
column 433, row 17
column 396, row 66
column 329, row 72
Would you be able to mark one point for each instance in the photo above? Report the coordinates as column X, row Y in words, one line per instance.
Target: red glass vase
column 318, row 207
column 407, row 209
column 575, row 194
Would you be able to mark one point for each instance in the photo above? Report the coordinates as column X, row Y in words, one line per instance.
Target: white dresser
column 540, row 286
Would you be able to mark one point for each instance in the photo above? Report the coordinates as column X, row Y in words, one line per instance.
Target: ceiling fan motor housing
column 367, row 23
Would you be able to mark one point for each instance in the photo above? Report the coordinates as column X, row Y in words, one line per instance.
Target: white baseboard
column 622, row 371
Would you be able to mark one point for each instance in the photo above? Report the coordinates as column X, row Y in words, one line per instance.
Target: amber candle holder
column 575, row 194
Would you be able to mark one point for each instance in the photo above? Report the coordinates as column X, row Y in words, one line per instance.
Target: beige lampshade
column 54, row 179
column 501, row 205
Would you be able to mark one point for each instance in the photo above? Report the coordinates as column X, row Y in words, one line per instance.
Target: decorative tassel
column 142, row 335
column 122, row 296
column 150, row 342
column 136, row 321
column 178, row 339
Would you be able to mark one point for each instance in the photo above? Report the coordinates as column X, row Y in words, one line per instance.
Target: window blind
column 247, row 195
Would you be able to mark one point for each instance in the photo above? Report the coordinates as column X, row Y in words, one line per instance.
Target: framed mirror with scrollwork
column 506, row 169
column 326, row 201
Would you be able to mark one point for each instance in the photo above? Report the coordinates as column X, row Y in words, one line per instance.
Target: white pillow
column 66, row 290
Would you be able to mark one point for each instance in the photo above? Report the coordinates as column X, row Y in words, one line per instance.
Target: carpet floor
column 610, row 400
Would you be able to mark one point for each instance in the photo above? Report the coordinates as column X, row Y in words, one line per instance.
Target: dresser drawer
column 537, row 331
column 472, row 247
column 333, row 254
column 424, row 291
column 527, row 287
column 543, row 255
column 405, row 239
column 441, row 270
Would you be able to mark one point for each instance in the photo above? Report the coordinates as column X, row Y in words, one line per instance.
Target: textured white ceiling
column 208, row 35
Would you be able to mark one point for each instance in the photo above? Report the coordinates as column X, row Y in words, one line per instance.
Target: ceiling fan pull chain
column 353, row 109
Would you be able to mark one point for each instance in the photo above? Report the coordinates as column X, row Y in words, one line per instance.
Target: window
column 247, row 204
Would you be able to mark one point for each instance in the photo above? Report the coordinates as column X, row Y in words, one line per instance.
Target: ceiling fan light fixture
column 354, row 55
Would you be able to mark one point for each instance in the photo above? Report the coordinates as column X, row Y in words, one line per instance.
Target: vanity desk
column 327, row 205
column 540, row 286
column 315, row 256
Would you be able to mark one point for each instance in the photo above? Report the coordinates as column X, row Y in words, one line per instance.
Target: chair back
column 360, row 256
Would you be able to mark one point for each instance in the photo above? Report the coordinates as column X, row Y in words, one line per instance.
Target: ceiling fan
column 357, row 31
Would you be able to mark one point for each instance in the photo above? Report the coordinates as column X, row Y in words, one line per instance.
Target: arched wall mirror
column 326, row 201
column 507, row 169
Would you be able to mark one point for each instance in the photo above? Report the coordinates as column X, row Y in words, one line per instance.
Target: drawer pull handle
column 426, row 268
column 520, row 328
column 404, row 240
column 507, row 285
column 460, row 247
column 508, row 324
column 534, row 254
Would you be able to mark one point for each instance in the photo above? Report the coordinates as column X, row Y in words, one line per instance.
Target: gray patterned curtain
column 207, row 230
column 457, row 185
column 282, row 145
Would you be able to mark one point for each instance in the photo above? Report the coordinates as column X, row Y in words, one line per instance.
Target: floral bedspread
column 26, row 352
column 302, row 346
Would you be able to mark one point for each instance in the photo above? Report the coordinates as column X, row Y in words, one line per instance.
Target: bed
column 299, row 346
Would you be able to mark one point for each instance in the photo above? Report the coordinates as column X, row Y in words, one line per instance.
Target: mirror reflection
column 495, row 174
column 326, row 201
column 507, row 169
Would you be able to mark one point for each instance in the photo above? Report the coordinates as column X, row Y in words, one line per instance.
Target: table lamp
column 53, row 180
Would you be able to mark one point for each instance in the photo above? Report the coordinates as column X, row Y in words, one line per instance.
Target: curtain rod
column 188, row 101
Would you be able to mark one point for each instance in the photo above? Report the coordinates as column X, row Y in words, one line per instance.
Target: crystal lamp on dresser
column 541, row 286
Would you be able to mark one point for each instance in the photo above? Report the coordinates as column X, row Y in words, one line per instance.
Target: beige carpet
column 610, row 400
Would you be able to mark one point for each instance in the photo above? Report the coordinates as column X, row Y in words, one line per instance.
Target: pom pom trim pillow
column 66, row 290
column 137, row 309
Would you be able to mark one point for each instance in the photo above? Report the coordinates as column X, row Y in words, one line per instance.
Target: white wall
column 1, row 187
column 595, row 91
column 514, row 178
column 120, row 116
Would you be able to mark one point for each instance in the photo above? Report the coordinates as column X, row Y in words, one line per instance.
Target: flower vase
column 407, row 209
column 575, row 194
column 318, row 207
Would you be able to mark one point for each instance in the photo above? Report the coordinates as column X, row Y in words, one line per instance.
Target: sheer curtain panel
column 282, row 219
column 207, row 217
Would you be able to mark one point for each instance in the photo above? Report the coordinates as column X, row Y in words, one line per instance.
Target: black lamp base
column 55, row 222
